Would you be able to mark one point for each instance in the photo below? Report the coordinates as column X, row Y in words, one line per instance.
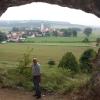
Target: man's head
column 35, row 60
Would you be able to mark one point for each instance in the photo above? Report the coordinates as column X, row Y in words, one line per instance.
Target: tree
column 69, row 32
column 24, row 36
column 3, row 36
column 88, row 31
column 47, row 34
column 85, row 60
column 55, row 33
column 15, row 29
column 74, row 33
column 69, row 61
column 66, row 32
column 77, row 29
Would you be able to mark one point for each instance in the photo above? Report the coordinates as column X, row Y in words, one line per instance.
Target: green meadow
column 10, row 53
column 80, row 37
column 54, row 79
column 14, row 75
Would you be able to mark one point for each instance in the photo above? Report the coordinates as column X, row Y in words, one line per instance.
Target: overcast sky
column 44, row 11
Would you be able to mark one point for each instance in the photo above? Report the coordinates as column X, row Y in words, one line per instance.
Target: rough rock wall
column 91, row 6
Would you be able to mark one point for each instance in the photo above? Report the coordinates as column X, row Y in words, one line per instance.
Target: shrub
column 53, row 80
column 13, row 79
column 25, row 61
column 85, row 40
column 51, row 62
column 23, row 74
column 68, row 61
column 61, row 80
column 85, row 60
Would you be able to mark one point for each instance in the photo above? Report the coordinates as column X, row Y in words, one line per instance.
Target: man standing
column 36, row 78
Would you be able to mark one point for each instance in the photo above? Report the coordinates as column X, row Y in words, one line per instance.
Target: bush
column 85, row 60
column 68, row 61
column 51, row 62
column 25, row 61
column 22, row 74
column 53, row 80
column 62, row 81
column 20, row 77
column 85, row 40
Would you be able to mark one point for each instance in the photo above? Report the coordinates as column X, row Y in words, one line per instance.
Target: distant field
column 53, row 39
column 11, row 53
column 78, row 39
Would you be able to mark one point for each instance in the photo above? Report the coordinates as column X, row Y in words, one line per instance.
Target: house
column 59, row 33
column 15, row 36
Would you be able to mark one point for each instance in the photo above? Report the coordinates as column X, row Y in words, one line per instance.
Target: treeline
column 3, row 36
column 65, row 32
column 69, row 32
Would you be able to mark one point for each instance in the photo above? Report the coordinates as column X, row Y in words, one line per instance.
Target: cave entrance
column 51, row 25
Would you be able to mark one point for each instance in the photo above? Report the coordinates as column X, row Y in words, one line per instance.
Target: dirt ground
column 12, row 94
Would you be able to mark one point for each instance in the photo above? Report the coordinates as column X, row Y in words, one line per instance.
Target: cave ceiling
column 90, row 6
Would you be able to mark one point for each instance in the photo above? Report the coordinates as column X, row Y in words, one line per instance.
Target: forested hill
column 37, row 23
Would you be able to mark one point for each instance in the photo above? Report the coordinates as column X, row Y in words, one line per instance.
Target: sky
column 44, row 11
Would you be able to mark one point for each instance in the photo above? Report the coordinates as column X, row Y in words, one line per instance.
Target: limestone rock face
column 96, row 62
column 94, row 93
column 94, row 84
column 91, row 6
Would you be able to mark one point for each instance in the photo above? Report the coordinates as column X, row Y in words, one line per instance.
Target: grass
column 11, row 53
column 53, row 79
column 62, row 80
column 52, row 39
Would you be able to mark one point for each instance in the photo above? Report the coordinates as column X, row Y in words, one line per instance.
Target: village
column 20, row 34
